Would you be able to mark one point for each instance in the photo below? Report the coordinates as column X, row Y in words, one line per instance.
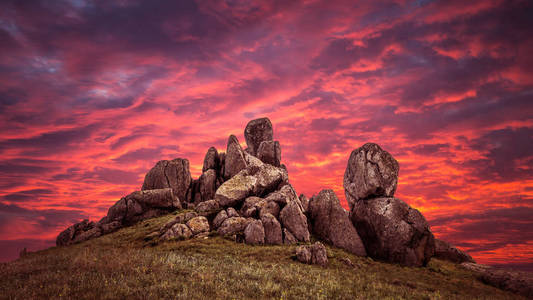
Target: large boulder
column 295, row 221
column 207, row 184
column 211, row 160
column 254, row 233
column 142, row 205
column 371, row 172
column 172, row 174
column 67, row 236
column 234, row 161
column 445, row 251
column 269, row 152
column 257, row 131
column 233, row 225
column 331, row 222
column 393, row 231
column 273, row 235
column 253, row 181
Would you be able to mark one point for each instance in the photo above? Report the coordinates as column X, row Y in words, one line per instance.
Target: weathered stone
column 207, row 206
column 207, row 185
column 514, row 281
column 393, row 231
column 283, row 196
column 331, row 222
column 305, row 202
column 249, row 208
column 234, row 161
column 444, row 250
column 303, row 254
column 172, row 174
column 198, row 225
column 110, row 227
column 177, row 231
column 254, row 233
column 371, row 172
column 273, row 235
column 257, row 131
column 211, row 160
column 293, row 218
column 319, row 256
column 268, row 179
column 233, row 225
column 221, row 216
column 288, row 237
column 269, row 152
column 252, row 161
column 236, row 189
column 268, row 207
column 87, row 235
column 67, row 236
column 232, row 212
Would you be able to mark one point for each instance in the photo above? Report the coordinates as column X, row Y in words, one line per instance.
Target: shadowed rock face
column 393, row 231
column 211, row 160
column 371, row 172
column 446, row 251
column 269, row 152
column 254, row 233
column 330, row 222
column 172, row 174
column 295, row 221
column 234, row 160
column 257, row 131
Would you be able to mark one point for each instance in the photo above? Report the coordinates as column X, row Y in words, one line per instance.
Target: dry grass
column 125, row 265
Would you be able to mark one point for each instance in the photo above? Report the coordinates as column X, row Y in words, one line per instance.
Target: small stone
column 319, row 255
column 232, row 212
column 288, row 238
column 198, row 225
column 303, row 254
column 177, row 231
column 233, row 225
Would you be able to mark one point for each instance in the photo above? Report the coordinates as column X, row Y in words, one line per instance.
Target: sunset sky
column 94, row 93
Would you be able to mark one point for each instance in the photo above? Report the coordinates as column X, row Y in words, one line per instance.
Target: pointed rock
column 207, row 185
column 371, row 172
column 331, row 222
column 257, row 131
column 234, row 161
column 295, row 221
column 211, row 160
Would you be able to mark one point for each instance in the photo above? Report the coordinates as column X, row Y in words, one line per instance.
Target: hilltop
column 128, row 264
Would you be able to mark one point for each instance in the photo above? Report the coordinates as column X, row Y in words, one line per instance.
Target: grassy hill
column 127, row 264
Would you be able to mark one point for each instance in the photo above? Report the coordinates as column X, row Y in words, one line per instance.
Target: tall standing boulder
column 172, row 174
column 257, row 131
column 393, row 231
column 234, row 160
column 371, row 172
column 331, row 222
column 295, row 221
column 207, row 185
column 211, row 160
column 269, row 152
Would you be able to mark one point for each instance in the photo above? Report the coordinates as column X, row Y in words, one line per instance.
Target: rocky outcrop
column 172, row 174
column 331, row 223
column 272, row 227
column 312, row 254
column 295, row 221
column 234, row 161
column 254, row 233
column 393, row 231
column 257, row 131
column 269, row 152
column 371, row 172
column 446, row 251
column 514, row 281
column 142, row 205
column 67, row 236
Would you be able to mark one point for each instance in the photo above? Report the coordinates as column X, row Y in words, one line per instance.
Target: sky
column 94, row 93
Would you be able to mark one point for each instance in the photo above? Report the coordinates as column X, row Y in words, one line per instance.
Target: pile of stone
column 246, row 194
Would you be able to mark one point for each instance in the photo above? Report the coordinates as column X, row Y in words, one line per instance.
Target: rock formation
column 246, row 195
column 445, row 251
column 330, row 222
column 371, row 172
column 393, row 231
